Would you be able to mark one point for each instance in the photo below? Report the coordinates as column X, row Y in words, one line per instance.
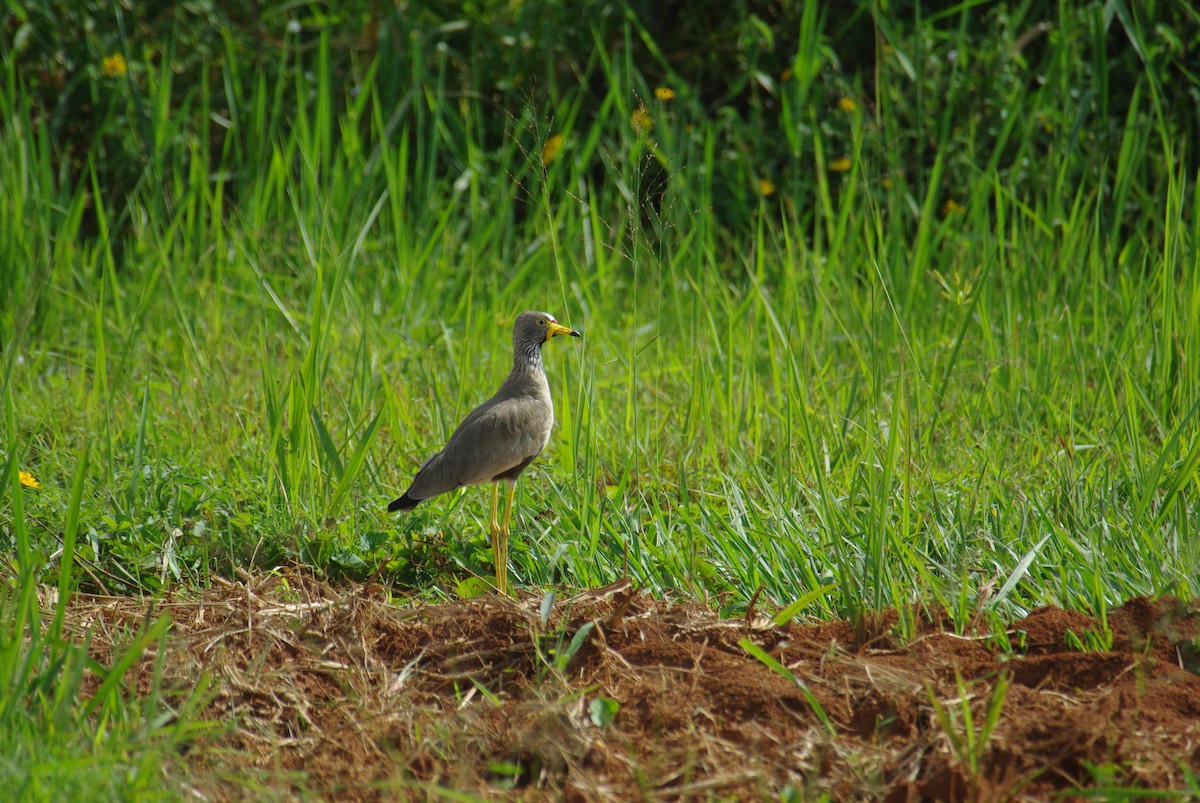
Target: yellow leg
column 494, row 531
column 512, row 489
column 495, row 528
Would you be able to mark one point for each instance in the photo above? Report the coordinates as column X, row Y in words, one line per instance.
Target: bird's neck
column 528, row 357
column 528, row 377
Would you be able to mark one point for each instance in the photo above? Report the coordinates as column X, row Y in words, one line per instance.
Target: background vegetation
column 882, row 302
column 890, row 300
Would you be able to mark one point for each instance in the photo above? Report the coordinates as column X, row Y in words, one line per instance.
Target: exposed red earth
column 330, row 692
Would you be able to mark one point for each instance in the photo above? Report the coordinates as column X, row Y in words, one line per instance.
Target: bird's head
column 535, row 328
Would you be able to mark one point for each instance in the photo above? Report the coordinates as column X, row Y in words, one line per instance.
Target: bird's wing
column 496, row 437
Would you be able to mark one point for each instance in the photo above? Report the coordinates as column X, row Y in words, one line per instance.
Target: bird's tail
column 405, row 502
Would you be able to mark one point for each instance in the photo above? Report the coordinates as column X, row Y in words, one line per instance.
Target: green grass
column 865, row 389
column 70, row 727
column 851, row 384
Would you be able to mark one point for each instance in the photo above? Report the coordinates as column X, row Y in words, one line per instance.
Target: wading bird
column 500, row 437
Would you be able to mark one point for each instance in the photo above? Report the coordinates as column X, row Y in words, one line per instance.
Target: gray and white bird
column 500, row 437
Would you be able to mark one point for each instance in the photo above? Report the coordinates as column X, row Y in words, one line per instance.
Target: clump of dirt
column 336, row 692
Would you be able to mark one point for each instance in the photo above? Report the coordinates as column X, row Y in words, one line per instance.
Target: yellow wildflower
column 786, row 75
column 114, row 66
column 840, row 165
column 887, row 182
column 952, row 207
column 552, row 149
column 766, row 187
column 642, row 120
column 847, row 105
column 28, row 480
column 664, row 93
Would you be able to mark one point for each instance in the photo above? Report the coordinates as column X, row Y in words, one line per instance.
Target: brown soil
column 333, row 693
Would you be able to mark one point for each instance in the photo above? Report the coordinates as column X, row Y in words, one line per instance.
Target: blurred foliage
column 763, row 74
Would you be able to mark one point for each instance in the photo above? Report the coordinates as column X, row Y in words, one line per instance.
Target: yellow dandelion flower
column 114, row 66
column 642, row 121
column 766, row 187
column 552, row 149
column 847, row 105
column 28, row 480
column 886, row 183
column 952, row 207
column 840, row 165
column 664, row 93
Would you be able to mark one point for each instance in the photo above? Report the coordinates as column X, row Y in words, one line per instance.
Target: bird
column 499, row 438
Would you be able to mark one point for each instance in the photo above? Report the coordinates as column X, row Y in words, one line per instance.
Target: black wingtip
column 405, row 502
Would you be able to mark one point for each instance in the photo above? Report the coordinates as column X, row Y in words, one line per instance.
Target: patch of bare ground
column 331, row 692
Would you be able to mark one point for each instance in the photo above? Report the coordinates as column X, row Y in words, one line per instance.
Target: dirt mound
column 613, row 696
